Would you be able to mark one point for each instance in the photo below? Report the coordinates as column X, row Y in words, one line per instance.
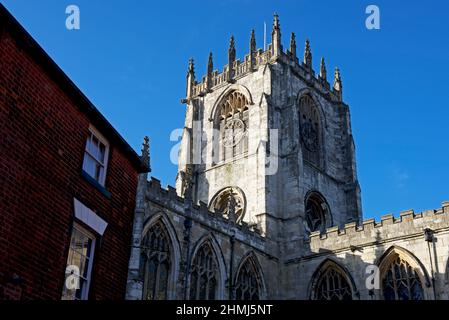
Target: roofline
column 26, row 41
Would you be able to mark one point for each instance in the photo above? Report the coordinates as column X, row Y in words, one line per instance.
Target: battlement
column 256, row 58
column 408, row 224
column 240, row 69
column 200, row 213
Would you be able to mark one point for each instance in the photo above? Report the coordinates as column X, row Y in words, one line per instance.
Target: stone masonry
column 299, row 161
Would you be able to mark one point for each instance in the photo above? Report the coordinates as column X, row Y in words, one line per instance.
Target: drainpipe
column 428, row 236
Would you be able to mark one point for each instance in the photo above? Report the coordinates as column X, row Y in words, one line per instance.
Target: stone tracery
column 221, row 203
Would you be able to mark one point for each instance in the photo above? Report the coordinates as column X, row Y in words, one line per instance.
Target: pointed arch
column 307, row 92
column 230, row 122
column 402, row 275
column 161, row 224
column 207, row 265
column 332, row 281
column 234, row 87
column 249, row 283
column 312, row 124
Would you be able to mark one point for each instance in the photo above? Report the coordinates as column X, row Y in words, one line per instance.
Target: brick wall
column 42, row 139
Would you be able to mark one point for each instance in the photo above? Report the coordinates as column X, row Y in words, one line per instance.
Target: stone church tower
column 275, row 136
column 267, row 202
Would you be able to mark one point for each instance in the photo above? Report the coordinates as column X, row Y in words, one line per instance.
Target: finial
column 191, row 67
column 231, row 51
column 210, row 70
column 276, row 47
column 252, row 42
column 210, row 64
column 276, row 24
column 323, row 72
column 252, row 50
column 338, row 87
column 145, row 155
column 308, row 55
column 190, row 80
column 231, row 58
column 293, row 45
column 232, row 44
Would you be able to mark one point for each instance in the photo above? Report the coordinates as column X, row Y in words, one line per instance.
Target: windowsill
column 96, row 184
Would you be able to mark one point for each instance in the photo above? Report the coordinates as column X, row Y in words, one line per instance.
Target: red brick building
column 67, row 182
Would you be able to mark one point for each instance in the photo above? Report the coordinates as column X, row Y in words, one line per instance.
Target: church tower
column 268, row 142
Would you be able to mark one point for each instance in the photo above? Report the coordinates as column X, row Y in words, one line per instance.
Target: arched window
column 247, row 286
column 204, row 274
column 400, row 281
column 221, row 202
column 310, row 129
column 331, row 283
column 317, row 216
column 232, row 123
column 156, row 252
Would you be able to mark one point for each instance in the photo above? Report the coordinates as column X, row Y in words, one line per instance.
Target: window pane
column 163, row 277
column 78, row 265
column 247, row 286
column 95, row 158
column 157, row 253
column 89, row 165
column 101, row 153
column 401, row 282
column 98, row 172
column 151, row 279
column 204, row 273
column 332, row 285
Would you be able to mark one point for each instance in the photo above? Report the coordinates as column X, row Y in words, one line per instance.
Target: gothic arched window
column 247, row 284
column 331, row 282
column 332, row 285
column 156, row 252
column 232, row 123
column 401, row 281
column 225, row 199
column 204, row 274
column 317, row 213
column 310, row 129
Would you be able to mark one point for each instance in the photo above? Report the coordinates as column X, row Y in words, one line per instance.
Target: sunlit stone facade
column 267, row 202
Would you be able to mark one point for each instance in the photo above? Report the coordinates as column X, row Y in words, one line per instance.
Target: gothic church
column 267, row 203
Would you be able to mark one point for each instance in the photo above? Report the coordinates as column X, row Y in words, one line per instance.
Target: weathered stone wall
column 335, row 178
column 275, row 200
column 166, row 206
column 273, row 229
column 355, row 247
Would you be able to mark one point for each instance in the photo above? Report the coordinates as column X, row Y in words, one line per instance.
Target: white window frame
column 85, row 289
column 102, row 139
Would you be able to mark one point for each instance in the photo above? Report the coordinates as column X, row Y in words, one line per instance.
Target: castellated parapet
column 408, row 225
column 255, row 59
column 169, row 200
column 273, row 106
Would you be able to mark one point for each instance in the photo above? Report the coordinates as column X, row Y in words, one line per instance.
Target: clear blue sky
column 130, row 58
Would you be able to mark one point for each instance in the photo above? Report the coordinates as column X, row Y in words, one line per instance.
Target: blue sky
column 130, row 58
